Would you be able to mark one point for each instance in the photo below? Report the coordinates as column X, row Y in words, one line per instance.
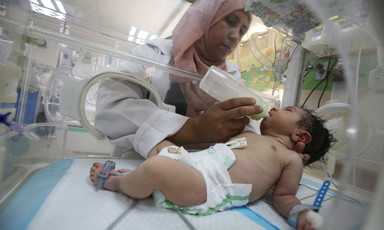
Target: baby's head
column 300, row 125
column 321, row 139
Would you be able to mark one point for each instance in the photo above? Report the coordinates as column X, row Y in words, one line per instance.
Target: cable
column 305, row 75
column 309, row 95
column 122, row 216
column 185, row 220
column 325, row 78
column 322, row 93
column 326, row 83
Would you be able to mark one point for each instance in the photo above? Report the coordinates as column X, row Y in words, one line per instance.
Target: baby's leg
column 112, row 183
column 180, row 183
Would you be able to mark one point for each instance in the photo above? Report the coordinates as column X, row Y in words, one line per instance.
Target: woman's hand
column 299, row 148
column 219, row 122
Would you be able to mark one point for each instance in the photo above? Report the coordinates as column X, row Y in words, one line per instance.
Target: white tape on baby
column 237, row 143
column 294, row 213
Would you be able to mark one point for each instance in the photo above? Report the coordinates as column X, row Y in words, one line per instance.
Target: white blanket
column 74, row 203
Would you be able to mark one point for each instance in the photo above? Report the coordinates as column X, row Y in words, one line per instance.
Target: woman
column 207, row 33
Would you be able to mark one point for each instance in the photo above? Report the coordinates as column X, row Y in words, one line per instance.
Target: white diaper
column 213, row 164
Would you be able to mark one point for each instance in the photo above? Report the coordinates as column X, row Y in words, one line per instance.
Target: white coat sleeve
column 126, row 118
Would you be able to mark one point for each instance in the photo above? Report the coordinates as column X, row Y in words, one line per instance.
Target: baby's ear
column 301, row 136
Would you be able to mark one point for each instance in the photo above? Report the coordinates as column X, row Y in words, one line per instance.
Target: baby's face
column 281, row 121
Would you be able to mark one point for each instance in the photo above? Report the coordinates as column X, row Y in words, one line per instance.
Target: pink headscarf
column 188, row 42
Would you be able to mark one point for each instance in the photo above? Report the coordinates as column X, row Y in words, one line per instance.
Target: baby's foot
column 113, row 181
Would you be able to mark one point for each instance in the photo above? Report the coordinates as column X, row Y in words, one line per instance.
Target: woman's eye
column 231, row 21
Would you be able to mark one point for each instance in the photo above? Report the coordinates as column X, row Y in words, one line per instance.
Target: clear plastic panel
column 350, row 32
column 21, row 155
column 358, row 157
column 37, row 57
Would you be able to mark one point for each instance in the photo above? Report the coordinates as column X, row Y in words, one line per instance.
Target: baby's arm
column 284, row 194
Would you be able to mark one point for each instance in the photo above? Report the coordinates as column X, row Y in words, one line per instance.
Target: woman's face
column 224, row 36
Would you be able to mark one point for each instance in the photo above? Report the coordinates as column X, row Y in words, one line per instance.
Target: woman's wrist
column 188, row 134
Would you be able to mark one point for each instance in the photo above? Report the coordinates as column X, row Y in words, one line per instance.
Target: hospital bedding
column 60, row 196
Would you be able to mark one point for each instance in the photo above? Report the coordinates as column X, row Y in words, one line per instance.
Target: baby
column 219, row 178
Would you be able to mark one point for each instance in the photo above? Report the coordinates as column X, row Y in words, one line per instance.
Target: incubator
column 326, row 55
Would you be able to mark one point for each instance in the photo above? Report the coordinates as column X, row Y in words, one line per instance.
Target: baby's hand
column 310, row 220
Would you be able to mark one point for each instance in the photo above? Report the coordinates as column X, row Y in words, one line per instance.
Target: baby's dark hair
column 322, row 139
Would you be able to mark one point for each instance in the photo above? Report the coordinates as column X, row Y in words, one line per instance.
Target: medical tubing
column 275, row 49
column 328, row 174
column 92, row 81
column 358, row 69
column 51, row 84
column 24, row 93
column 280, row 68
column 282, row 53
column 262, row 64
column 257, row 47
column 253, row 54
column 333, row 181
column 342, row 49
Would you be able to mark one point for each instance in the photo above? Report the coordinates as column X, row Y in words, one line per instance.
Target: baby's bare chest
column 259, row 163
